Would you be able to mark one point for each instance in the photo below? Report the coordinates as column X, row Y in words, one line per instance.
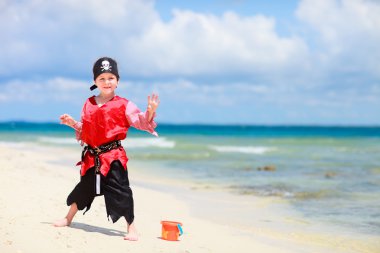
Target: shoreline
column 272, row 219
column 35, row 186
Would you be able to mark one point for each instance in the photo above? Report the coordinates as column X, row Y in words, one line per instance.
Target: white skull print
column 106, row 65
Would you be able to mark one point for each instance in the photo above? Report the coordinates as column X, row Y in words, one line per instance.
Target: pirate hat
column 104, row 65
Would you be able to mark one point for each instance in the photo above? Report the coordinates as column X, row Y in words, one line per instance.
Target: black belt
column 100, row 150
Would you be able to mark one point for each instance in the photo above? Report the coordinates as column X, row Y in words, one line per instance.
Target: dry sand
column 34, row 188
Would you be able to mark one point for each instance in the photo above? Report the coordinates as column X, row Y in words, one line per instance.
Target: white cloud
column 64, row 37
column 42, row 37
column 32, row 92
column 199, row 44
column 348, row 33
column 46, row 36
column 226, row 61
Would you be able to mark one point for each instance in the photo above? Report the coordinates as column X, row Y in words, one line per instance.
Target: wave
column 11, row 144
column 242, row 149
column 57, row 140
column 129, row 142
column 286, row 191
column 168, row 156
column 148, row 142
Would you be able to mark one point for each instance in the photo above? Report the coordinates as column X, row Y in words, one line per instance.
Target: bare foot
column 132, row 233
column 61, row 223
column 131, row 237
column 69, row 217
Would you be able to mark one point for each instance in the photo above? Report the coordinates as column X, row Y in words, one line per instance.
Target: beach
column 35, row 184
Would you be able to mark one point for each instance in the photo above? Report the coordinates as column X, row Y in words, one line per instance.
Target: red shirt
column 107, row 123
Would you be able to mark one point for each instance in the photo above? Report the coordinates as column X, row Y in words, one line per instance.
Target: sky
column 293, row 62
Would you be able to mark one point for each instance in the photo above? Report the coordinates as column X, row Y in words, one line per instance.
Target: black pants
column 115, row 188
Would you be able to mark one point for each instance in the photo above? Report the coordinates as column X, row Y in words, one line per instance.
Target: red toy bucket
column 171, row 230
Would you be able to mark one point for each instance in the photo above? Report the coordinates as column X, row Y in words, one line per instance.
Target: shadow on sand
column 95, row 229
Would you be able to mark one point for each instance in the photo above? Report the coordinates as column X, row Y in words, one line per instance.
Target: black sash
column 100, row 150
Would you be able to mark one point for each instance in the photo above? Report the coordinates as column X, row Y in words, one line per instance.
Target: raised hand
column 153, row 102
column 67, row 120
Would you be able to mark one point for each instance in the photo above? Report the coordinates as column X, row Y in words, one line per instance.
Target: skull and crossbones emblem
column 106, row 66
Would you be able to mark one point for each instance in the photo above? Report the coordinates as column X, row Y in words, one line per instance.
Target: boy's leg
column 69, row 217
column 118, row 197
column 132, row 234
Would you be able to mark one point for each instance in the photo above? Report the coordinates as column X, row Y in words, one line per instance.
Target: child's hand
column 153, row 103
column 67, row 120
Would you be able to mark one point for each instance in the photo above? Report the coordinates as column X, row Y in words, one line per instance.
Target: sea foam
column 57, row 140
column 130, row 142
column 133, row 142
column 241, row 149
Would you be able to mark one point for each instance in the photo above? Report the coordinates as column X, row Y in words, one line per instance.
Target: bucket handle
column 180, row 229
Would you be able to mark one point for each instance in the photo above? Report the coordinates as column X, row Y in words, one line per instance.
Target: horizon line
column 376, row 125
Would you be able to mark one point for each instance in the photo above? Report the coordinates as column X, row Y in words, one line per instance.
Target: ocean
column 329, row 174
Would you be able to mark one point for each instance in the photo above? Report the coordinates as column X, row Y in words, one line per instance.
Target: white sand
column 34, row 191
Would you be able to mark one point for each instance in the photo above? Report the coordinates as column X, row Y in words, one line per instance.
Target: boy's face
column 106, row 83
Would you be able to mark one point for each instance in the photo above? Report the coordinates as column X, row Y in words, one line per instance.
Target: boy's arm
column 71, row 122
column 140, row 120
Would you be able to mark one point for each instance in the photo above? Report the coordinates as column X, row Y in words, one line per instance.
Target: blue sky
column 219, row 62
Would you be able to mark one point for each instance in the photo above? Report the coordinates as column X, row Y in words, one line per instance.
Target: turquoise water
column 329, row 174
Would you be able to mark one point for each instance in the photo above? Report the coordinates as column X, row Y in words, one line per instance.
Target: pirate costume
column 104, row 160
